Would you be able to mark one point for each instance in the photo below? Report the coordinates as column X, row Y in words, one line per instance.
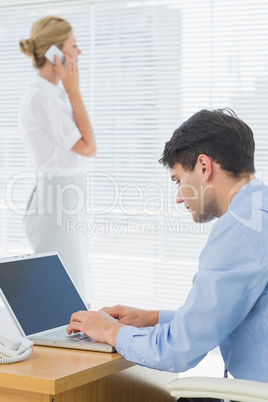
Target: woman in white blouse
column 59, row 139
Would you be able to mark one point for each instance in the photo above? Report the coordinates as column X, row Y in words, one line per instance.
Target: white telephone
column 52, row 52
column 14, row 346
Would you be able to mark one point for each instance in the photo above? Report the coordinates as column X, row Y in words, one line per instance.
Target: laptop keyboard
column 62, row 334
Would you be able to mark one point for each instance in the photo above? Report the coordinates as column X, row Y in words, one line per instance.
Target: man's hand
column 133, row 316
column 96, row 324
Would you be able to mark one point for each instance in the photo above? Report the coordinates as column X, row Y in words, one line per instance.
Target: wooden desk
column 65, row 375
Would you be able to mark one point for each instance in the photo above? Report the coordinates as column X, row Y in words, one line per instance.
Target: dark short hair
column 219, row 134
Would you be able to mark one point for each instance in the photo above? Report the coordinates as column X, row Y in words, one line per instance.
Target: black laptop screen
column 40, row 292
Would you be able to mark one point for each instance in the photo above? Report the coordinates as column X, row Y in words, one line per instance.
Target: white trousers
column 55, row 208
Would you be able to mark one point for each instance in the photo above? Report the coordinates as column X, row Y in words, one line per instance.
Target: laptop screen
column 40, row 292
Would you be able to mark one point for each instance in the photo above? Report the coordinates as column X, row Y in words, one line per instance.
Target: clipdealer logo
column 150, row 199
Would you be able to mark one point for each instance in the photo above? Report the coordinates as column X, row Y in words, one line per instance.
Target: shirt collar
column 248, row 188
column 240, row 204
column 53, row 89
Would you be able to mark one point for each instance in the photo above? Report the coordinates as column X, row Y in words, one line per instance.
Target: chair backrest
column 222, row 388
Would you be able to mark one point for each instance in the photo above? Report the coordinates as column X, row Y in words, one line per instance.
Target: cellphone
column 52, row 52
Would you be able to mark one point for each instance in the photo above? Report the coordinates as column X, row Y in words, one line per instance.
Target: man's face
column 194, row 191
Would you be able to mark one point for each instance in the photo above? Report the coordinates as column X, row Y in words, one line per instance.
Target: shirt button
column 142, row 360
column 122, row 352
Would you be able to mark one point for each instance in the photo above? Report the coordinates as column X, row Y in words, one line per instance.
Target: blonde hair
column 45, row 32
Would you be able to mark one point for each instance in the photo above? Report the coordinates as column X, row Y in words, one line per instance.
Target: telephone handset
column 17, row 348
column 52, row 52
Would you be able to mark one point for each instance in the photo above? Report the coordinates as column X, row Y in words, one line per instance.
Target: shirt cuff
column 166, row 316
column 124, row 337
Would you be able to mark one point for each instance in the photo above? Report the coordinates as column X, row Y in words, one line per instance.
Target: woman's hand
column 69, row 75
column 85, row 146
column 133, row 316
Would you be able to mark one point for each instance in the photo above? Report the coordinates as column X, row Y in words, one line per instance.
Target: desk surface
column 66, row 375
column 54, row 370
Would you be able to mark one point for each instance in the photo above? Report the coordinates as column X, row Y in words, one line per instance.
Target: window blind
column 146, row 66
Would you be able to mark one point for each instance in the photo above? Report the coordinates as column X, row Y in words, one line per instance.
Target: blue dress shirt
column 228, row 302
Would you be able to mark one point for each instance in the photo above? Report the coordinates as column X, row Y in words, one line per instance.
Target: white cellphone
column 52, row 52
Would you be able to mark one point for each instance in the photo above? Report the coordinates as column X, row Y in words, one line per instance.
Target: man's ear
column 204, row 164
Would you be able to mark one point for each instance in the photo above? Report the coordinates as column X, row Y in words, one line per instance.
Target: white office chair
column 221, row 388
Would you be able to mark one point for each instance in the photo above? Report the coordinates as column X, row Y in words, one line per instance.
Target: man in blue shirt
column 211, row 157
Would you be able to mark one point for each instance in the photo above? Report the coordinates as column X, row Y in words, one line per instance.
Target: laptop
column 41, row 297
